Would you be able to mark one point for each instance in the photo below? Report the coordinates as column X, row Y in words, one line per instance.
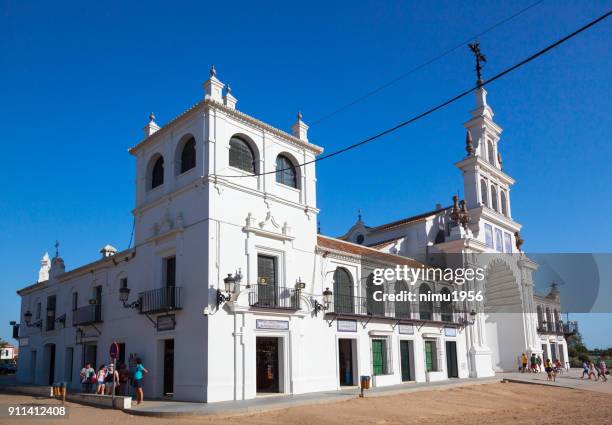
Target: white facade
column 196, row 224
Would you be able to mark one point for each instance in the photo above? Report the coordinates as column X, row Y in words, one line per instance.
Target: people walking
column 539, row 362
column 585, row 370
column 139, row 373
column 592, row 371
column 602, row 370
column 523, row 362
column 101, row 376
column 87, row 375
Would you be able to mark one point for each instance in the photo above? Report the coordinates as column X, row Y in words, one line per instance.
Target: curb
column 238, row 411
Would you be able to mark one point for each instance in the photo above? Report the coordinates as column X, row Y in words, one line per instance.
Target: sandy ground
column 496, row 403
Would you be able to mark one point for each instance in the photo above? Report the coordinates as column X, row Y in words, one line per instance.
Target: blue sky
column 77, row 83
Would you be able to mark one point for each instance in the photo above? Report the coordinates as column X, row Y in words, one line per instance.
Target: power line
column 423, row 65
column 439, row 106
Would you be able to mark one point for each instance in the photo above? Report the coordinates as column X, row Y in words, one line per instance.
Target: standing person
column 101, row 376
column 111, row 377
column 585, row 370
column 124, row 376
column 523, row 362
column 549, row 370
column 139, row 373
column 86, row 375
column 533, row 363
column 539, row 361
column 558, row 367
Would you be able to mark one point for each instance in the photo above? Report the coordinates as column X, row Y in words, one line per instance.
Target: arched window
column 491, row 152
column 494, row 198
column 504, row 202
column 425, row 306
column 188, row 155
column 360, row 239
column 285, row 171
column 402, row 308
column 157, row 172
column 241, row 155
column 446, row 305
column 483, row 193
column 343, row 292
column 375, row 308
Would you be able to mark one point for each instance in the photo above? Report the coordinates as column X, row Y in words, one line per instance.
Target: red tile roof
column 339, row 245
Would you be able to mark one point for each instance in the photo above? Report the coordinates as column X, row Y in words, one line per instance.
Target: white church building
column 229, row 292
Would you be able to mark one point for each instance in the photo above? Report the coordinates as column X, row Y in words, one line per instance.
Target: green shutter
column 378, row 357
column 428, row 356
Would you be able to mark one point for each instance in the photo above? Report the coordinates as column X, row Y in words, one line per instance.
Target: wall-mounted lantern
column 62, row 319
column 327, row 299
column 124, row 295
column 299, row 285
column 228, row 283
column 28, row 319
column 471, row 320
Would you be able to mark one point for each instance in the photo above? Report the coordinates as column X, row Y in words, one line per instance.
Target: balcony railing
column 349, row 305
column 168, row 298
column 551, row 328
column 87, row 315
column 274, row 297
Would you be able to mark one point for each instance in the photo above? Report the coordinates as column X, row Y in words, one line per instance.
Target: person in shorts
column 523, row 363
column 139, row 373
column 86, row 375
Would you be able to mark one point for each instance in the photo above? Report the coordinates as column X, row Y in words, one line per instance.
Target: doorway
column 267, row 365
column 33, row 366
column 169, row 367
column 405, row 360
column 345, row 359
column 50, row 363
column 553, row 351
column 451, row 359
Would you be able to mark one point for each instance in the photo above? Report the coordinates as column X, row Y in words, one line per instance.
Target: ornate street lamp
column 327, row 299
column 299, row 285
column 228, row 283
column 27, row 316
column 124, row 295
column 471, row 320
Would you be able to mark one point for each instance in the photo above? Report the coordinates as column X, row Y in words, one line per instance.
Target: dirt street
column 496, row 403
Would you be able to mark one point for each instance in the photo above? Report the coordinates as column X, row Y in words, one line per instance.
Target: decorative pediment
column 168, row 224
column 268, row 227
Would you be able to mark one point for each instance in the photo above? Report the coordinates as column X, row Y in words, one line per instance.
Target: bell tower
column 485, row 183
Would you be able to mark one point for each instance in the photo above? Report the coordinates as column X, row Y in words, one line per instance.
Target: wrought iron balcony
column 87, row 315
column 274, row 297
column 551, row 328
column 349, row 305
column 168, row 298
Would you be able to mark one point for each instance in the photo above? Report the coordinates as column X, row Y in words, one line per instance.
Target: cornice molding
column 211, row 104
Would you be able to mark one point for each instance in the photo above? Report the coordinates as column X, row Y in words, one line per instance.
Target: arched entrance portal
column 49, row 359
column 503, row 308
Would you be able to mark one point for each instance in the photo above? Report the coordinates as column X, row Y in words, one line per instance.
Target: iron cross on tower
column 475, row 48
